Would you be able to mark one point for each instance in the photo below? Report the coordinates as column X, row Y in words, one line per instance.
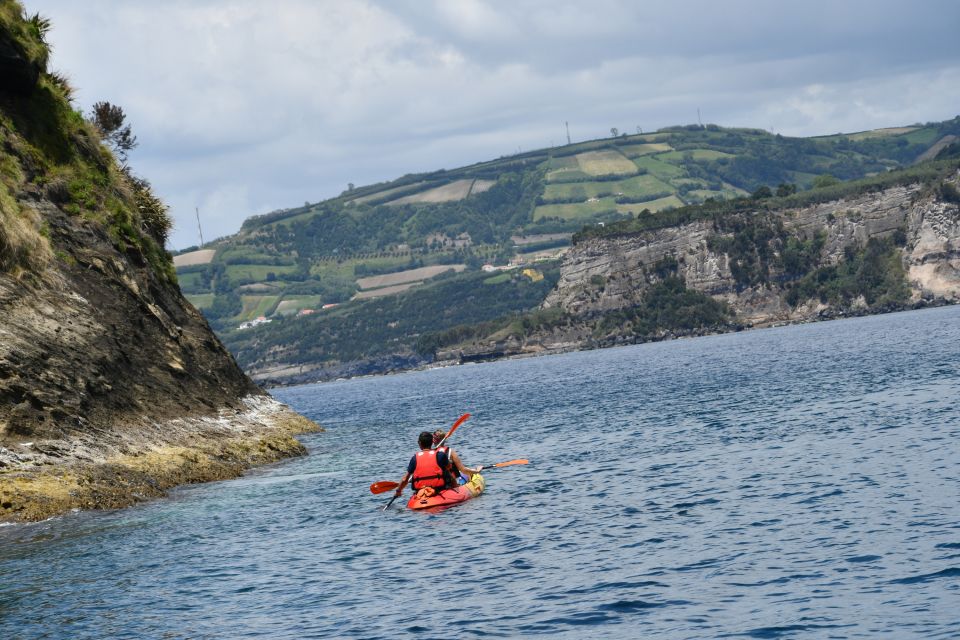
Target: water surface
column 791, row 482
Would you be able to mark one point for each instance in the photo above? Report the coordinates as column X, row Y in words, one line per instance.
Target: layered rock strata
column 931, row 256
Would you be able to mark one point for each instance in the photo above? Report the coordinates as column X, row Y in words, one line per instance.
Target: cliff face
column 112, row 386
column 607, row 274
column 97, row 337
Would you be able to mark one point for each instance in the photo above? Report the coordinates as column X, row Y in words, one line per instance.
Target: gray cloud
column 242, row 107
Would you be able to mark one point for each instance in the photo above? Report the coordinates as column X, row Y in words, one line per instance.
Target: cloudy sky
column 242, row 107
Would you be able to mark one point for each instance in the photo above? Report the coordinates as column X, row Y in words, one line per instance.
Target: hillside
column 112, row 387
column 513, row 208
column 281, row 290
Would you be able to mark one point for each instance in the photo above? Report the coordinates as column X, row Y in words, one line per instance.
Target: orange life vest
column 428, row 473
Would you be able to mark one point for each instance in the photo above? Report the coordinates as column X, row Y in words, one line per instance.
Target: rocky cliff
column 607, row 274
column 112, row 386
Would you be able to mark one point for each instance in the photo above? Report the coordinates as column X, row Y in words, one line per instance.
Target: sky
column 242, row 107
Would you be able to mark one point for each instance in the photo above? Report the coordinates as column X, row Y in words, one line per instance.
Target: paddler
column 430, row 467
column 460, row 472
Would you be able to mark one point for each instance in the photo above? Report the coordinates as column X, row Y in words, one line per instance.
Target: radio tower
column 199, row 228
column 568, row 131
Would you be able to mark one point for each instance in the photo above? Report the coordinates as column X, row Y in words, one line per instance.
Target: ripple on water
column 730, row 486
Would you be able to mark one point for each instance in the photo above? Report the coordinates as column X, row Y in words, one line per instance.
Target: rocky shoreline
column 107, row 469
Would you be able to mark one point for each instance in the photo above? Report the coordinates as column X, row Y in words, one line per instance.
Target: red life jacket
column 427, row 472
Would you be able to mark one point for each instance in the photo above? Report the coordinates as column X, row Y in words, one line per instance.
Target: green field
column 497, row 279
column 927, row 135
column 881, row 133
column 654, row 205
column 290, row 306
column 662, row 170
column 574, row 211
column 386, row 193
column 566, row 175
column 256, row 306
column 635, row 187
column 256, row 272
column 563, row 162
column 605, row 162
column 200, row 300
column 698, row 154
column 636, row 150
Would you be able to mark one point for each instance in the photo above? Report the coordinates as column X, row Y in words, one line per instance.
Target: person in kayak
column 460, row 472
column 429, row 467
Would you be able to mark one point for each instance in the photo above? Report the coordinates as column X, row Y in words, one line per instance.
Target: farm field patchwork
column 697, row 154
column 456, row 190
column 636, row 187
column 636, row 150
column 385, row 291
column 605, row 162
column 574, row 211
column 201, row 256
column 662, row 170
column 881, row 133
column 479, row 186
column 410, row 275
column 256, row 306
column 386, row 193
column 256, row 272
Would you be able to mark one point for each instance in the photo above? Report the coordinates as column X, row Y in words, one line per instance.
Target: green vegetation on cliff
column 51, row 151
column 874, row 273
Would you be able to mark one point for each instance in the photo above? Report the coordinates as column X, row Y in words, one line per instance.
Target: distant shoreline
column 543, row 351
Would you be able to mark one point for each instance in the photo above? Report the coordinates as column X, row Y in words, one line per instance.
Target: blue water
column 793, row 482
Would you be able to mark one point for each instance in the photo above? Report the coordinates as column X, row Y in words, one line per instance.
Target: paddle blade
column 383, row 486
column 508, row 463
column 457, row 424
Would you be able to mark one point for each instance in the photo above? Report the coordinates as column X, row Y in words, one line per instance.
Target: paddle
column 385, row 485
column 455, row 426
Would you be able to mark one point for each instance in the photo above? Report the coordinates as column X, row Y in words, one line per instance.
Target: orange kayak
column 427, row 498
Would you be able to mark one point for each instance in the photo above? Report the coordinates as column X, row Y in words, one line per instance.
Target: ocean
column 794, row 482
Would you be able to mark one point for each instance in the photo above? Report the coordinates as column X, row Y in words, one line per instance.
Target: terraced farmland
column 695, row 154
column 576, row 210
column 457, row 190
column 385, row 291
column 659, row 168
column 637, row 150
column 410, row 275
column 604, row 163
column 644, row 186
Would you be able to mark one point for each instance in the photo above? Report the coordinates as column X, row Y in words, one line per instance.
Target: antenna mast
column 568, row 131
column 199, row 228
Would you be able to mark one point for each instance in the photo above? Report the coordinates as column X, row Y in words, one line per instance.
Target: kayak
column 427, row 498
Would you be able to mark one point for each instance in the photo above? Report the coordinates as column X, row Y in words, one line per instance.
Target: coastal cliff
column 112, row 387
column 873, row 250
column 929, row 251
